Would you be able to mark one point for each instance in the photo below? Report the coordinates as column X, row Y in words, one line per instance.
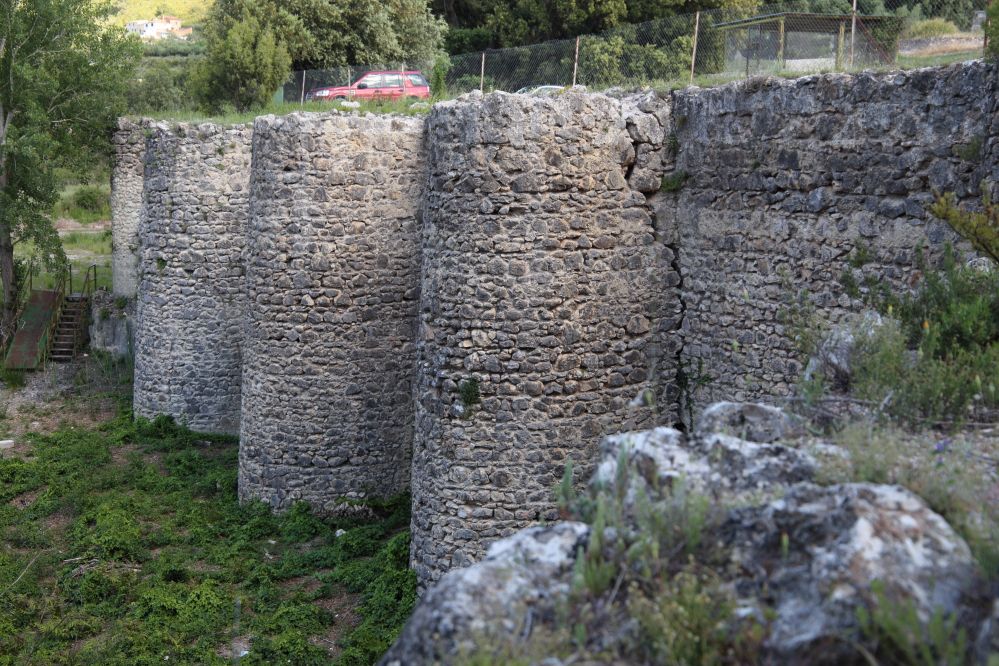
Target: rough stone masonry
column 127, row 177
column 192, row 297
column 540, row 272
column 490, row 290
column 333, row 267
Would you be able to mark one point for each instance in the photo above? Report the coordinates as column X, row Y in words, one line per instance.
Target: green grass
column 928, row 28
column 915, row 62
column 84, row 203
column 126, row 544
column 48, row 280
column 87, row 241
column 84, row 249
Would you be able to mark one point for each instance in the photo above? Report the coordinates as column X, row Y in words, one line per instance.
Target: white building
column 159, row 28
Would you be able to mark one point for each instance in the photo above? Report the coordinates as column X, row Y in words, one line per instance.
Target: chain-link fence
column 799, row 37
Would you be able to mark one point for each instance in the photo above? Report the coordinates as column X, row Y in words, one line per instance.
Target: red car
column 377, row 85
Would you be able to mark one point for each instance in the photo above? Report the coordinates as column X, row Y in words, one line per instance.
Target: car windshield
column 416, row 79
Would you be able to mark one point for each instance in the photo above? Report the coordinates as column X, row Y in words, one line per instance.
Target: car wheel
column 339, row 97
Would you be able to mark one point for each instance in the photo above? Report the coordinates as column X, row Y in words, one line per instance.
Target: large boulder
column 727, row 468
column 814, row 556
column 799, row 557
column 521, row 581
column 749, row 421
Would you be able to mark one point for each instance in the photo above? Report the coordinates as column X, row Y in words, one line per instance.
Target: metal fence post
column 839, row 45
column 482, row 74
column 853, row 31
column 302, row 98
column 693, row 51
column 780, row 44
column 575, row 63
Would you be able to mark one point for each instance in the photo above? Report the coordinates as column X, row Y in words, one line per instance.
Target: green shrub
column 981, row 228
column 389, row 593
column 932, row 27
column 159, row 557
column 684, row 622
column 468, row 390
column 91, row 198
column 13, row 378
column 110, row 533
column 937, row 357
column 673, row 182
column 85, row 203
column 438, row 78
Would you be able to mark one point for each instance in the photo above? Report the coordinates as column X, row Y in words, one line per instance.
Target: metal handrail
column 86, row 292
column 89, row 281
column 20, row 301
column 45, row 344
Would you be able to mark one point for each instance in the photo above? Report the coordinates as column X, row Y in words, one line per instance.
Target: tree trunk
column 6, row 267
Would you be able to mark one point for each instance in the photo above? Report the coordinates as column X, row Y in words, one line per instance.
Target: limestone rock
column 111, row 325
column 722, row 466
column 750, row 421
column 987, row 642
column 982, row 264
column 520, row 580
column 813, row 555
column 802, row 564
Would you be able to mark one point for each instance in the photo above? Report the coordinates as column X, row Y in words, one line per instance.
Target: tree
column 63, row 68
column 324, row 33
column 245, row 65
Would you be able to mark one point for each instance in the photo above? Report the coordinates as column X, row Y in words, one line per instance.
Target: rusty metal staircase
column 71, row 331
column 53, row 324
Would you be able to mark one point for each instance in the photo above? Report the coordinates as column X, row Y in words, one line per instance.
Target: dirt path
column 48, row 401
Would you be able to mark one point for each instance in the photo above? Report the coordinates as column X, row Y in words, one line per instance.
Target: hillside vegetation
column 189, row 11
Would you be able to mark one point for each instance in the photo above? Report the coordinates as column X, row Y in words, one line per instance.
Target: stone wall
column 129, row 142
column 192, row 295
column 540, row 271
column 111, row 323
column 815, row 188
column 333, row 280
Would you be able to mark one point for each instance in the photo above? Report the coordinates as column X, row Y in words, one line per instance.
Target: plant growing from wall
column 468, row 391
column 689, row 381
column 981, row 228
column 673, row 182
